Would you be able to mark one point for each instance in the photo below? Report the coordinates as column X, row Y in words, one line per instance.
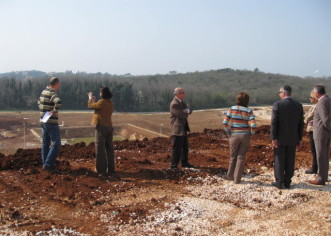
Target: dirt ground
column 150, row 125
column 146, row 198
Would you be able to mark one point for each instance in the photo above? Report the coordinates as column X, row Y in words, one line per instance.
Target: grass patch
column 89, row 140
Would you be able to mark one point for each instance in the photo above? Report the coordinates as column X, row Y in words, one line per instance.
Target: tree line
column 209, row 89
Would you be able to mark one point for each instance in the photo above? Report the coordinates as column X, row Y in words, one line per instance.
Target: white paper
column 46, row 117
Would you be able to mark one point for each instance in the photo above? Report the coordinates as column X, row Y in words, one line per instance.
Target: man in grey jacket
column 179, row 113
column 322, row 134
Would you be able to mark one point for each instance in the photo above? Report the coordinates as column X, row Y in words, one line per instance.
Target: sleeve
column 252, row 122
column 57, row 102
column 226, row 122
column 310, row 115
column 301, row 123
column 177, row 110
column 95, row 106
column 274, row 122
column 323, row 111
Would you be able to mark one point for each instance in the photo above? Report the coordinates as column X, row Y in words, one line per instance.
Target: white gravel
column 215, row 206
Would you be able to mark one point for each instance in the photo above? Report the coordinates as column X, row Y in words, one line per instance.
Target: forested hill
column 209, row 89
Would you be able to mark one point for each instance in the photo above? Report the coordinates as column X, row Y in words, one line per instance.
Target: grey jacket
column 178, row 119
column 322, row 119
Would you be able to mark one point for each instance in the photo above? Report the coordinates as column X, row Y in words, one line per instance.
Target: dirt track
column 33, row 200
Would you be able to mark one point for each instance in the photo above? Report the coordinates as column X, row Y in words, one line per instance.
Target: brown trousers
column 104, row 150
column 323, row 153
column 239, row 144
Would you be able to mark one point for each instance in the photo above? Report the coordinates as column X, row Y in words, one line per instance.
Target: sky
column 157, row 36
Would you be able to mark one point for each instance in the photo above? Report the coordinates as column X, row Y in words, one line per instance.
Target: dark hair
column 105, row 93
column 319, row 89
column 287, row 89
column 53, row 81
column 242, row 99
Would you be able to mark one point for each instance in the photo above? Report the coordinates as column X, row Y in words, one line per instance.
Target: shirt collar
column 178, row 99
column 48, row 87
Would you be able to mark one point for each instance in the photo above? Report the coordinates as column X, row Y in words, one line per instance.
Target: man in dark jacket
column 286, row 133
column 179, row 113
column 322, row 134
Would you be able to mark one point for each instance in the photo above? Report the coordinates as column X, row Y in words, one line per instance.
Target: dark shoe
column 316, row 182
column 287, row 186
column 310, row 172
column 188, row 165
column 228, row 178
column 52, row 170
column 173, row 168
column 277, row 185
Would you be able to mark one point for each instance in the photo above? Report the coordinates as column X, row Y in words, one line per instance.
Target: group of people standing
column 287, row 124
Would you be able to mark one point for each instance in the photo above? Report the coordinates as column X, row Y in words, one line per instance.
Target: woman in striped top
column 243, row 125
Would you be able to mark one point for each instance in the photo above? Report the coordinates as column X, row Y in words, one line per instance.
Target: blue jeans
column 50, row 133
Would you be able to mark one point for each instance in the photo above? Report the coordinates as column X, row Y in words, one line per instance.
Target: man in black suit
column 286, row 133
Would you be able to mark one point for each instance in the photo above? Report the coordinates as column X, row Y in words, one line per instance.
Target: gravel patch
column 214, row 206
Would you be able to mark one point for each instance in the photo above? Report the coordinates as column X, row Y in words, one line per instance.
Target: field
column 145, row 197
column 127, row 125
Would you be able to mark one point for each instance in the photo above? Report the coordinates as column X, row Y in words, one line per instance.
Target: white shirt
column 321, row 97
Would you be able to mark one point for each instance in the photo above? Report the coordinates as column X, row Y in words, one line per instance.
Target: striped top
column 49, row 101
column 242, row 121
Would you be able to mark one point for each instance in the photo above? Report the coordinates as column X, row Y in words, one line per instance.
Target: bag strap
column 241, row 113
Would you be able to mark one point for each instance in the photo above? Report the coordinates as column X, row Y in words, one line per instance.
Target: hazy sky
column 153, row 36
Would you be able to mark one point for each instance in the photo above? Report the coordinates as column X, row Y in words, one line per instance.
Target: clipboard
column 46, row 117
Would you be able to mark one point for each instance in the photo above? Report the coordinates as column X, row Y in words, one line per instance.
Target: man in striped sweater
column 49, row 101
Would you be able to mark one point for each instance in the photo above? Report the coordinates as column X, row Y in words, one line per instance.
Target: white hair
column 177, row 90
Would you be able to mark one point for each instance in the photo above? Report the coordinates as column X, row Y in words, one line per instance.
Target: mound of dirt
column 206, row 148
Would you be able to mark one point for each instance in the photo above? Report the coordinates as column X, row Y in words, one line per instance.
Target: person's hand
column 186, row 111
column 275, row 143
column 90, row 95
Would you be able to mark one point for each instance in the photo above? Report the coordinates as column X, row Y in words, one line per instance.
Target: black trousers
column 284, row 163
column 314, row 166
column 179, row 150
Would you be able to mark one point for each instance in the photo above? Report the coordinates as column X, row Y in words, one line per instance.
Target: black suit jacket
column 287, row 122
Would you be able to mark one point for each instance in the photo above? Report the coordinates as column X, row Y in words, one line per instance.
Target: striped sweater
column 49, row 101
column 242, row 121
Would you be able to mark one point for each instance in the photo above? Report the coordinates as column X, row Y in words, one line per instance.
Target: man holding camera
column 179, row 111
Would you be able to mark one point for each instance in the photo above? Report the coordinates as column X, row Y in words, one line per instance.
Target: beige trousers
column 239, row 144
